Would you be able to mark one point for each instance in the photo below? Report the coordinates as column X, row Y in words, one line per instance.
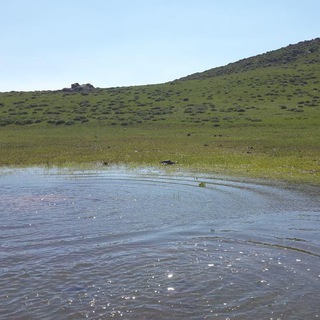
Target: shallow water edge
column 156, row 243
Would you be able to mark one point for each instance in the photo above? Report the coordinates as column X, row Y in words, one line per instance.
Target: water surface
column 150, row 244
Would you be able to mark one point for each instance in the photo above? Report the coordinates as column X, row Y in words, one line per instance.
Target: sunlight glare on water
column 151, row 244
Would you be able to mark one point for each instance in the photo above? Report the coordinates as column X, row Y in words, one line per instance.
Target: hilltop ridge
column 308, row 50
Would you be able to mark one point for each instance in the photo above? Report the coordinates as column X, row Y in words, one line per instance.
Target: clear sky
column 49, row 44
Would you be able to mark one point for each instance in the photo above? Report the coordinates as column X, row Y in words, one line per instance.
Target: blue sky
column 49, row 44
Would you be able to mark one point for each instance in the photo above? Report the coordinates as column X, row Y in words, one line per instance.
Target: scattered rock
column 167, row 162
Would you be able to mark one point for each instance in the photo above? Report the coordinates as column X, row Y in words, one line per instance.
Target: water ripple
column 152, row 244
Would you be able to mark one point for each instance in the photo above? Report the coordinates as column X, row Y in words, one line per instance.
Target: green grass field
column 261, row 121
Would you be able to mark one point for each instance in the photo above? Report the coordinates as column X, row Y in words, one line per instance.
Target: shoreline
column 145, row 169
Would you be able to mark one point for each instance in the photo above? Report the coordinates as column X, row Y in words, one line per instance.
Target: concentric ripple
column 149, row 244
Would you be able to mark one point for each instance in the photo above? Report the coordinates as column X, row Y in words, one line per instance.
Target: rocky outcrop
column 76, row 87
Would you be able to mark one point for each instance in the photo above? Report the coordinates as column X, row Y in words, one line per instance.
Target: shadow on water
column 153, row 244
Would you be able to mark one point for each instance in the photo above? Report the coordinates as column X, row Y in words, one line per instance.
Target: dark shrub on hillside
column 5, row 122
column 59, row 122
column 23, row 122
column 79, row 118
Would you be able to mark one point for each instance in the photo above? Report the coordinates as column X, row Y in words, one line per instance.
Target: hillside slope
column 307, row 52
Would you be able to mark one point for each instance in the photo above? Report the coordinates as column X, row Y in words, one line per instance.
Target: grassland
column 259, row 117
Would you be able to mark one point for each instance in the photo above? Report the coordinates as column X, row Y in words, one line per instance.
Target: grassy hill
column 257, row 117
column 306, row 52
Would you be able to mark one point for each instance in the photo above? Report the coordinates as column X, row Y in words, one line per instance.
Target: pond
column 148, row 243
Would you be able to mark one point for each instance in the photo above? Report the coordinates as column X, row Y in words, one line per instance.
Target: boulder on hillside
column 75, row 86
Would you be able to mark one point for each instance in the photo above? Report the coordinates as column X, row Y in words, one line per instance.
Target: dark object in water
column 167, row 162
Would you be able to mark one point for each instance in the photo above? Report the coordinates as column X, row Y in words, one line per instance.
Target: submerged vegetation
column 202, row 185
column 258, row 117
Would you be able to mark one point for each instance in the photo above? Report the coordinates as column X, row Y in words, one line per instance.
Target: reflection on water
column 148, row 244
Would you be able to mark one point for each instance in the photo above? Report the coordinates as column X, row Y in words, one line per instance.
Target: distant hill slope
column 282, row 83
column 307, row 52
